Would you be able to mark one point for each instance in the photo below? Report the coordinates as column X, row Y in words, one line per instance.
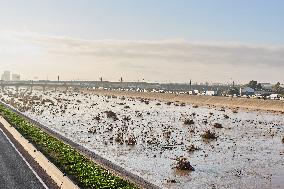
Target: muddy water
column 248, row 152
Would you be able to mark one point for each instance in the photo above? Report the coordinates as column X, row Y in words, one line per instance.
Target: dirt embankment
column 247, row 103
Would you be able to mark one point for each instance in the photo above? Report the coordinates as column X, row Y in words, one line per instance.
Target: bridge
column 43, row 84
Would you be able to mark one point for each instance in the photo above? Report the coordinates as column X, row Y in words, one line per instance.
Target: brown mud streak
column 38, row 169
column 219, row 101
column 113, row 168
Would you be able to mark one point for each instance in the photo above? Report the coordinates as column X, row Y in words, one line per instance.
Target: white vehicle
column 191, row 92
column 274, row 96
column 211, row 93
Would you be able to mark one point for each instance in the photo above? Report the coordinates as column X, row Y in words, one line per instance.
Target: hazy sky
column 158, row 40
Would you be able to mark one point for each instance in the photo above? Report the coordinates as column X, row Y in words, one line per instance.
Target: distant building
column 266, row 86
column 246, row 91
column 262, row 93
column 16, row 77
column 6, row 76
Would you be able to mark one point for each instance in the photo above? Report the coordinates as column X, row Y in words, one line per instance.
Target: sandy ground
column 246, row 103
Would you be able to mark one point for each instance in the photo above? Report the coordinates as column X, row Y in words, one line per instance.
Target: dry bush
column 97, row 118
column 209, row 135
column 188, row 122
column 131, row 140
column 222, row 109
column 183, row 164
column 111, row 114
column 167, row 134
column 119, row 138
column 92, row 130
column 192, row 148
column 217, row 125
column 126, row 118
column 226, row 116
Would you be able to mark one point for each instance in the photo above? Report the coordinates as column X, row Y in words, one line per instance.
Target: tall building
column 16, row 77
column 6, row 76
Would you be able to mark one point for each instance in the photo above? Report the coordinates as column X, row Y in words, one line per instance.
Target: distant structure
column 6, row 76
column 121, row 80
column 58, row 79
column 267, row 86
column 246, row 91
column 16, row 77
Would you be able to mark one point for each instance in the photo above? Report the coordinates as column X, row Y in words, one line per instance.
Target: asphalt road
column 14, row 172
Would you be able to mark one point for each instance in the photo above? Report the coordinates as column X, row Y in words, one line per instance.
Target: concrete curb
column 56, row 175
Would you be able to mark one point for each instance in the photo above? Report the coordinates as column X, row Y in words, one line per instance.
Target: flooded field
column 171, row 144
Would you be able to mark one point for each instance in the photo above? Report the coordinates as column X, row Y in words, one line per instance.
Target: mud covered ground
column 147, row 136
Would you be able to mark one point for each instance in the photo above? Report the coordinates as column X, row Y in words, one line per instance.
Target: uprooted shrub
column 131, row 140
column 188, row 122
column 209, row 135
column 192, row 148
column 234, row 111
column 217, row 125
column 92, row 130
column 226, row 116
column 126, row 118
column 111, row 114
column 97, row 118
column 183, row 164
column 119, row 137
